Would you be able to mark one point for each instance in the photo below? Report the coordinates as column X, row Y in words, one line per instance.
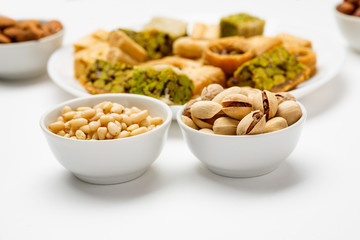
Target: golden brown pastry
column 290, row 40
column 202, row 31
column 261, row 44
column 189, row 48
column 201, row 75
column 304, row 55
column 228, row 53
column 120, row 40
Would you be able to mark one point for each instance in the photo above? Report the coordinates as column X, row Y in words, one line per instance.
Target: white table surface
column 314, row 194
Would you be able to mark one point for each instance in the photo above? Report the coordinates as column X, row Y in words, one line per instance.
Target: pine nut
column 109, row 136
column 107, row 107
column 117, row 108
column 116, row 116
column 68, row 115
column 83, row 108
column 80, row 135
column 94, row 126
column 88, row 113
column 85, row 129
column 140, row 116
column 123, row 134
column 123, row 126
column 104, row 120
column 77, row 123
column 61, row 133
column 139, row 131
column 133, row 127
column 66, row 109
column 156, row 121
column 113, row 129
column 101, row 132
column 56, row 126
column 126, row 119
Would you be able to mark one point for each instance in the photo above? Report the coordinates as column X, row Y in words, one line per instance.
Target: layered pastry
column 241, row 25
column 188, row 47
column 228, row 53
column 201, row 75
column 205, row 32
column 276, row 70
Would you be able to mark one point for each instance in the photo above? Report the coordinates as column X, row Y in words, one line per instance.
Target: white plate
column 329, row 60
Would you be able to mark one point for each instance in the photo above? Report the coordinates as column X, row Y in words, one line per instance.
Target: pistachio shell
column 205, row 109
column 275, row 124
column 210, row 91
column 225, row 126
column 200, row 123
column 289, row 110
column 218, row 98
column 284, row 96
column 236, row 106
column 189, row 122
column 253, row 123
column 206, row 130
column 188, row 106
column 266, row 102
column 272, row 104
column 247, row 91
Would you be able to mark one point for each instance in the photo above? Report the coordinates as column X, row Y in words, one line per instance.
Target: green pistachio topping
column 273, row 68
column 241, row 25
column 165, row 83
column 157, row 44
column 109, row 76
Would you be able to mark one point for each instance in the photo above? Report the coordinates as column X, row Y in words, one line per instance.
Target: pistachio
column 225, row 126
column 189, row 122
column 247, row 91
column 209, row 92
column 289, row 110
column 266, row 102
column 236, row 106
column 205, row 109
column 188, row 106
column 206, row 130
column 253, row 123
column 284, row 96
column 206, row 123
column 275, row 124
column 233, row 90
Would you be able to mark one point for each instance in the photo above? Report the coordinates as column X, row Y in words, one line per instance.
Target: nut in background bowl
column 109, row 161
column 28, row 59
column 245, row 155
column 349, row 27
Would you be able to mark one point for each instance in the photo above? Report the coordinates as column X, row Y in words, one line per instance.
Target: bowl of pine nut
column 107, row 138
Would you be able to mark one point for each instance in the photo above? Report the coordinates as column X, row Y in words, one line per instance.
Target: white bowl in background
column 28, row 59
column 349, row 27
column 109, row 161
column 246, row 155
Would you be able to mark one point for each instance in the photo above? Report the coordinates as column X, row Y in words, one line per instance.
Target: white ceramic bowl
column 349, row 27
column 109, row 161
column 28, row 59
column 242, row 156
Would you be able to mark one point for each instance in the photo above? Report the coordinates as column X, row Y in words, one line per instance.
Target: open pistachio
column 204, row 123
column 247, row 91
column 205, row 109
column 209, row 92
column 188, row 106
column 289, row 110
column 236, row 106
column 206, row 130
column 233, row 90
column 253, row 123
column 284, row 96
column 189, row 122
column 225, row 126
column 266, row 102
column 275, row 124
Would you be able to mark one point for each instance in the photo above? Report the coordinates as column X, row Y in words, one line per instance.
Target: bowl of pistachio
column 242, row 132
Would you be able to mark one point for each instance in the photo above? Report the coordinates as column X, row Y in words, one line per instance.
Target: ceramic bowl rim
column 100, row 96
column 299, row 122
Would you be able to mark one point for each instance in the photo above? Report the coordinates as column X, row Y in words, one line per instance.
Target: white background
column 313, row 195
